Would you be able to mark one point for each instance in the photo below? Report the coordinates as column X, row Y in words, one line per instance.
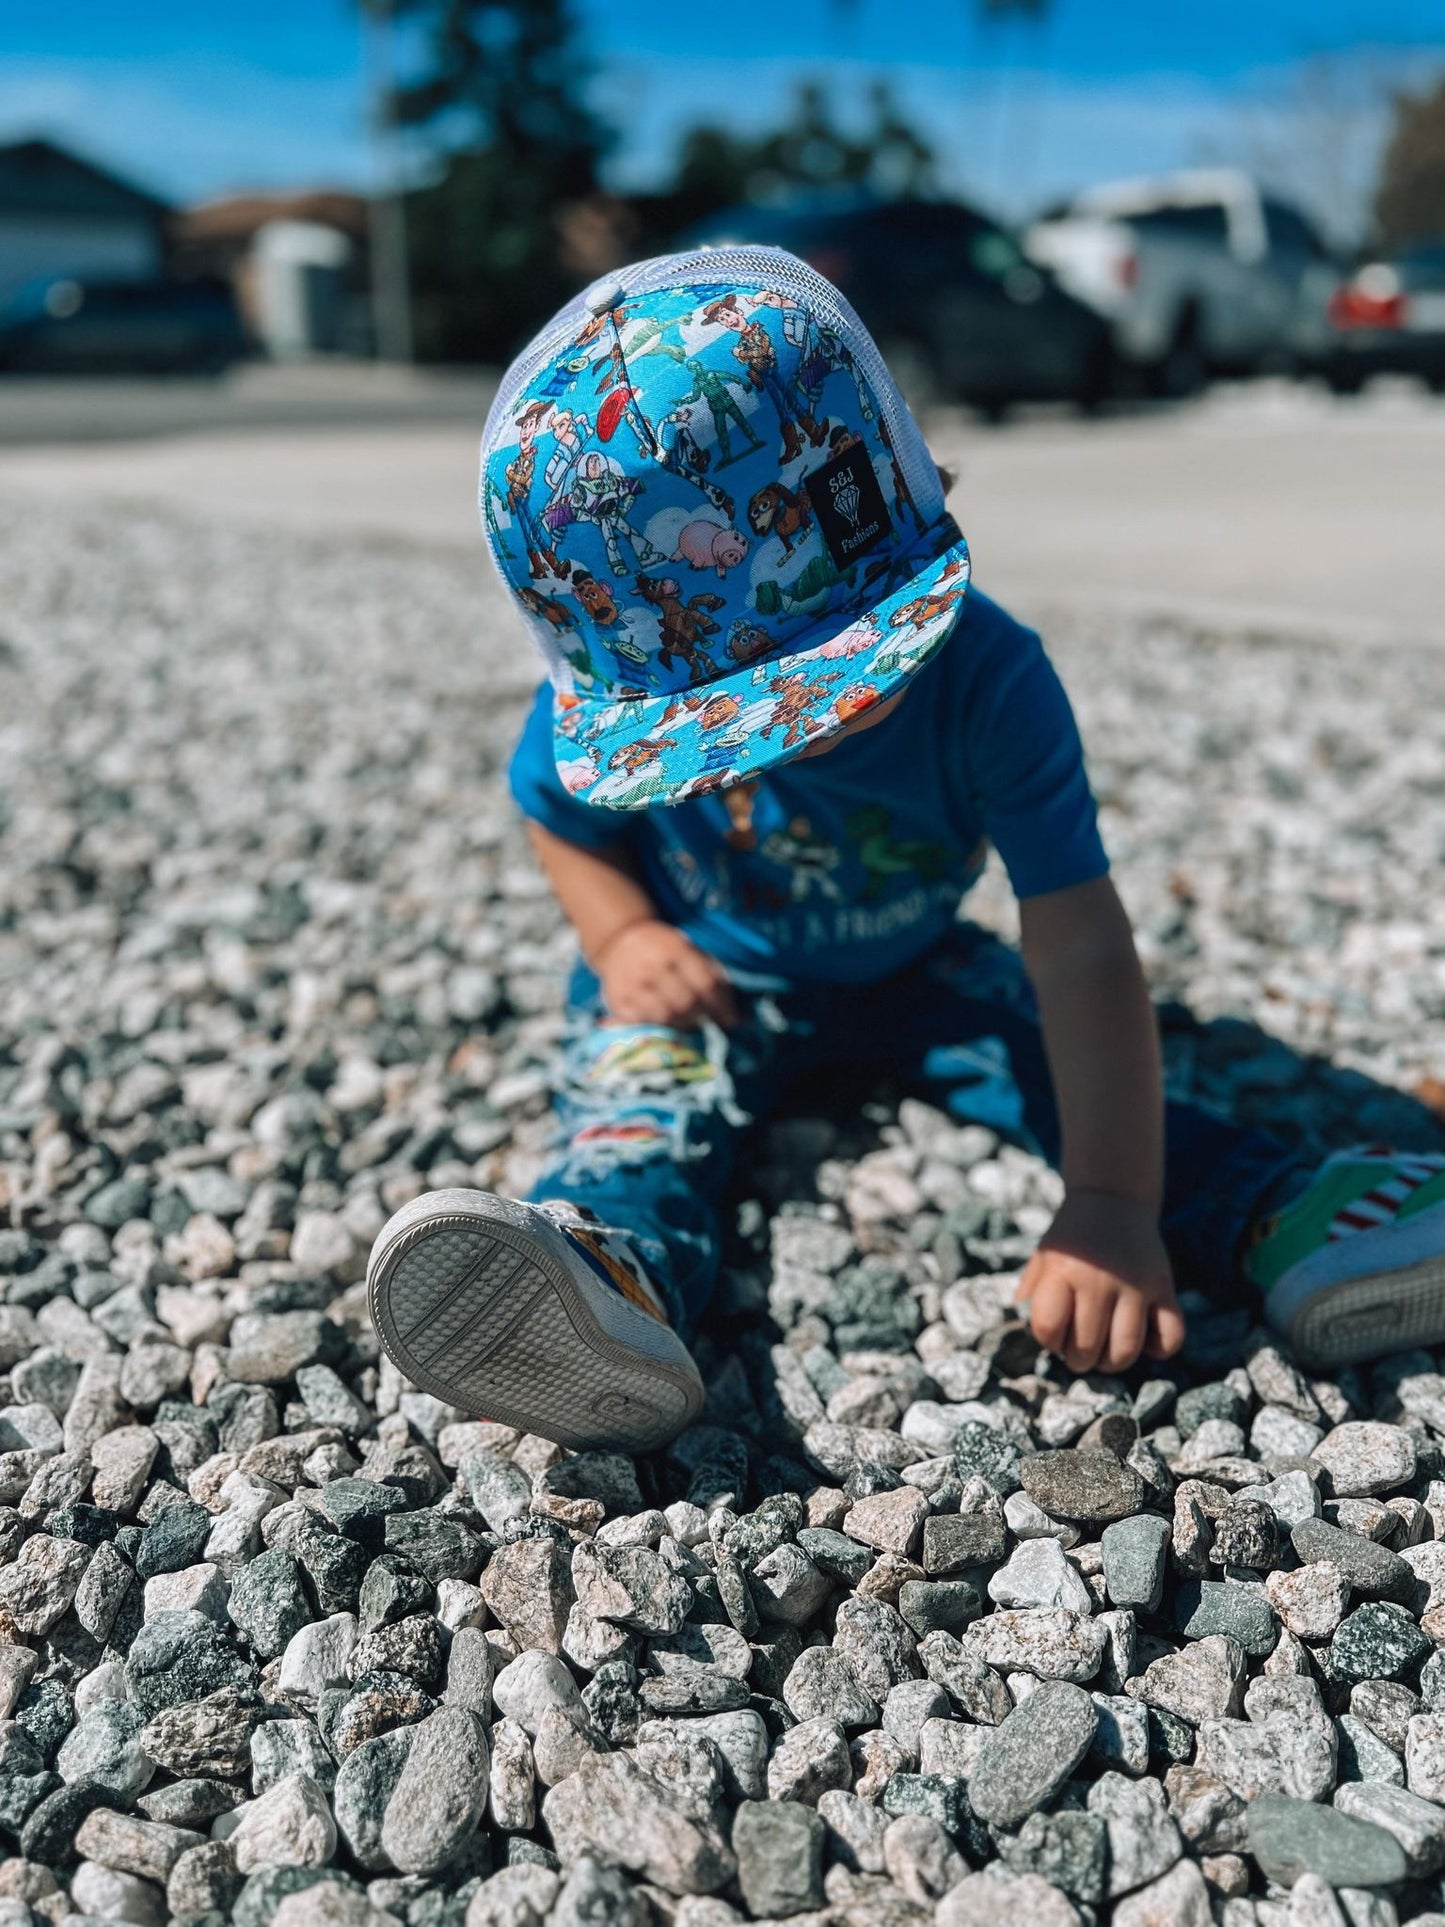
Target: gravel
column 913, row 1626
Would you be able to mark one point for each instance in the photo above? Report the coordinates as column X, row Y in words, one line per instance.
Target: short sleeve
column 1026, row 761
column 540, row 795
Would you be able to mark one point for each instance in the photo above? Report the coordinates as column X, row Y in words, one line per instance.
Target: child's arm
column 1100, row 1282
column 650, row 973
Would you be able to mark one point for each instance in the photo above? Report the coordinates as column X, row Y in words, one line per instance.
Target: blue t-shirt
column 846, row 866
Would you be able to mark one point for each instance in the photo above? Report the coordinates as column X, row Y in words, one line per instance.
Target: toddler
column 779, row 732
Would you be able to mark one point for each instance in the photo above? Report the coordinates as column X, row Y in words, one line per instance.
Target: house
column 61, row 215
column 296, row 262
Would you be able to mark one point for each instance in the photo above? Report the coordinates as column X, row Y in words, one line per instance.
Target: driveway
column 1270, row 504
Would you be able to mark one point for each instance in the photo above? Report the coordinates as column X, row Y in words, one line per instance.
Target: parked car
column 64, row 326
column 1197, row 273
column 957, row 310
column 1389, row 318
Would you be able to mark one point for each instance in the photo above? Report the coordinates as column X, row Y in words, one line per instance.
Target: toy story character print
column 756, row 352
column 796, row 696
column 712, row 388
column 855, row 701
column 682, row 625
column 781, row 511
column 704, row 544
column 747, row 641
column 684, row 454
column 809, row 860
column 886, row 857
column 632, row 758
column 860, row 636
column 542, row 557
column 601, row 495
column 596, row 598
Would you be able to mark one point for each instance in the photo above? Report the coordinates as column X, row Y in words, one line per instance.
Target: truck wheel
column 1180, row 372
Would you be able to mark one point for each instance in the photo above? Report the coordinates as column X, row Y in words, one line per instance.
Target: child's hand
column 651, row 974
column 1099, row 1287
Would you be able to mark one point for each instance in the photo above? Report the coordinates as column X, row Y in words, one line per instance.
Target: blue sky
column 196, row 99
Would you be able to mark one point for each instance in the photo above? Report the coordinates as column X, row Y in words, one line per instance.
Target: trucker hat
column 719, row 520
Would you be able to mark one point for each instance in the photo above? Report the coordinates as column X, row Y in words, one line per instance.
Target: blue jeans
column 649, row 1118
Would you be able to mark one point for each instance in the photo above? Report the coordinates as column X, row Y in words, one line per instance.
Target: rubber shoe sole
column 1366, row 1296
column 482, row 1302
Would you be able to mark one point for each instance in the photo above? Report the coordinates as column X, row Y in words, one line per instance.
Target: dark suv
column 956, row 308
column 63, row 326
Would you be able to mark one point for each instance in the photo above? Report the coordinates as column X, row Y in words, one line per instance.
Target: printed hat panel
column 699, row 477
column 629, row 755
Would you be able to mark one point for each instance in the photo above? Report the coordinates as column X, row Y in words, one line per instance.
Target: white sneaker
column 530, row 1315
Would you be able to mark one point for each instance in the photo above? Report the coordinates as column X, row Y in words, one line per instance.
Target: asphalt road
column 1270, row 503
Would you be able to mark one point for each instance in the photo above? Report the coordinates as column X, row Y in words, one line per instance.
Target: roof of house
column 37, row 177
column 238, row 218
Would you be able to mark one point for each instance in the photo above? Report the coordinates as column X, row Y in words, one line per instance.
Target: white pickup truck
column 1197, row 273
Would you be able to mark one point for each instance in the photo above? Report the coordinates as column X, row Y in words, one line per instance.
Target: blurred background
column 1078, row 225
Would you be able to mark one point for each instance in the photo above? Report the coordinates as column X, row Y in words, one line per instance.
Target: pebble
column 1134, row 1554
column 1024, row 1762
column 779, row 1851
column 1081, row 1486
column 1037, row 1573
column 1363, row 1457
column 1293, row 1837
column 440, row 1794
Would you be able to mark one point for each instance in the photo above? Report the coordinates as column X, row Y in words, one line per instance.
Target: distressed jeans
column 649, row 1118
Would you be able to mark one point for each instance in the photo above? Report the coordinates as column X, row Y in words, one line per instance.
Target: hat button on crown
column 605, row 296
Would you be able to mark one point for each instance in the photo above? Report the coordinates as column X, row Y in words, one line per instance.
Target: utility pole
column 390, row 278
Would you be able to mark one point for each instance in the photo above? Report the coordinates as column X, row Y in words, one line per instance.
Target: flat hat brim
column 629, row 754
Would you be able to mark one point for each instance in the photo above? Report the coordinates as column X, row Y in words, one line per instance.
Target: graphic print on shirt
column 707, row 552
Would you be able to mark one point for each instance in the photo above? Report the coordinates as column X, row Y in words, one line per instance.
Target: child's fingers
column 720, row 1003
column 1166, row 1331
column 1127, row 1331
column 1051, row 1309
column 1089, row 1332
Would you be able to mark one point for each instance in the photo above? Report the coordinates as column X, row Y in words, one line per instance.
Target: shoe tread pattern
column 485, row 1327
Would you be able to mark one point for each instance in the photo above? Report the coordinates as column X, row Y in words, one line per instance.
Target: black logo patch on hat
column 849, row 505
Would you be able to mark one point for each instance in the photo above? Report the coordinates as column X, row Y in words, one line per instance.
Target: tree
column 504, row 90
column 1410, row 199
column 809, row 153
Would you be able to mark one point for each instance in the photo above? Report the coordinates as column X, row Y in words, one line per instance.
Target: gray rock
column 630, row 1586
column 1364, row 1457
column 1293, row 1837
column 1143, row 1840
column 1038, row 1573
column 1202, row 1682
column 1081, row 1486
column 1134, row 1558
column 268, row 1602
column 614, row 1807
column 810, row 1758
column 182, row 1656
column 823, row 1685
column 779, row 1851
column 1377, row 1641
column 1027, row 1759
column 1371, row 1570
column 1239, row 1611
column 1068, row 1850
column 440, row 1794
column 105, row 1746
column 1417, row 1825
column 281, row 1747
column 365, row 1782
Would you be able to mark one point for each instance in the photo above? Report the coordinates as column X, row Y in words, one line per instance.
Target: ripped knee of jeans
column 667, row 1071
